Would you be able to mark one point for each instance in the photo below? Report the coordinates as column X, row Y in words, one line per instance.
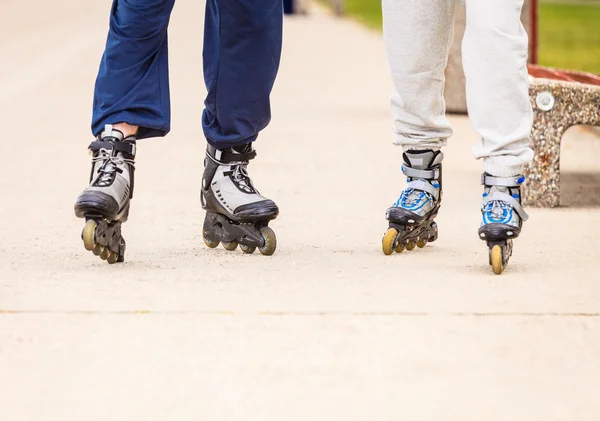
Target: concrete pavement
column 328, row 328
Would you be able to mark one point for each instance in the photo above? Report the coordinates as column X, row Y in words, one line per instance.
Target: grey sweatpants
column 418, row 36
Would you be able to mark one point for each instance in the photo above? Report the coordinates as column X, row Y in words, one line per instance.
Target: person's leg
column 131, row 101
column 133, row 80
column 495, row 60
column 495, row 50
column 242, row 49
column 418, row 36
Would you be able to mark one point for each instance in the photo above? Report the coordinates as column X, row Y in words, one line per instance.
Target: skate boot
column 412, row 216
column 503, row 217
column 105, row 202
column 236, row 213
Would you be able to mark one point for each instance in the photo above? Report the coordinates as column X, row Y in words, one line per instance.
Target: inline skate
column 236, row 213
column 503, row 217
column 411, row 218
column 105, row 202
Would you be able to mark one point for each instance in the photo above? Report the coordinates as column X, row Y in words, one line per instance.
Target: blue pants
column 242, row 48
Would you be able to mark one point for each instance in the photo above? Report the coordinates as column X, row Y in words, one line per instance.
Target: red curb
column 565, row 75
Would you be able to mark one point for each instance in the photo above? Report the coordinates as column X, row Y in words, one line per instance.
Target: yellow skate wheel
column 496, row 259
column 387, row 244
column 112, row 258
column 247, row 249
column 104, row 253
column 421, row 243
column 231, row 246
column 270, row 241
column 399, row 248
column 411, row 245
column 89, row 235
column 209, row 243
column 97, row 250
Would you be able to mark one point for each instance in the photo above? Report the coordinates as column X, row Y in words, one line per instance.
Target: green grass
column 365, row 11
column 569, row 35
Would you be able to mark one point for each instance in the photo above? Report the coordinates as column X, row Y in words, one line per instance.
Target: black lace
column 109, row 168
column 239, row 175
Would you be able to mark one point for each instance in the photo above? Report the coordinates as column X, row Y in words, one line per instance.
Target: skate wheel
column 411, row 245
column 112, row 258
column 247, row 249
column 105, row 253
column 387, row 244
column 89, row 235
column 421, row 243
column 401, row 246
column 231, row 246
column 497, row 260
column 97, row 250
column 270, row 241
column 209, row 243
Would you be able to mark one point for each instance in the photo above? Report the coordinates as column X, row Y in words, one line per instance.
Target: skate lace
column 241, row 177
column 110, row 166
column 496, row 209
column 410, row 197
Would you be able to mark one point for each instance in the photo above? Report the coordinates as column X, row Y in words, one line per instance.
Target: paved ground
column 328, row 328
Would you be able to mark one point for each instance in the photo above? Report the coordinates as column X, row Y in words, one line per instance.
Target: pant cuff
column 409, row 144
column 498, row 170
column 148, row 127
column 406, row 148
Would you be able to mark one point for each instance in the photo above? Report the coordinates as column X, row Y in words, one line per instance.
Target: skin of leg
column 495, row 49
column 418, row 36
column 126, row 129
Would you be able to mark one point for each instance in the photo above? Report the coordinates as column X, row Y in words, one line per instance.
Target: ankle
column 126, row 129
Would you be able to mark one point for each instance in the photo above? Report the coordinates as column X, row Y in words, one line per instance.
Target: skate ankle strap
column 125, row 147
column 489, row 180
column 503, row 197
column 225, row 156
column 427, row 174
column 424, row 186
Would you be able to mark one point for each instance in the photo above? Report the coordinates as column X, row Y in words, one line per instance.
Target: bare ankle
column 126, row 129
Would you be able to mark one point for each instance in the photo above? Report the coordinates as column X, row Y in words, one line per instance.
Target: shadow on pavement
column 580, row 189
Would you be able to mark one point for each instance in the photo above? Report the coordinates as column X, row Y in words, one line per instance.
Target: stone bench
column 560, row 99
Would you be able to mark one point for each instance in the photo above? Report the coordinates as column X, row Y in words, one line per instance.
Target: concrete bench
column 560, row 99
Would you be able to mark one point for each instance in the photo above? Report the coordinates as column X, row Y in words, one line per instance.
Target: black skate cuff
column 125, row 147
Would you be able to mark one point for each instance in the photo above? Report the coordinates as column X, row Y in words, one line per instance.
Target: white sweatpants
column 418, row 36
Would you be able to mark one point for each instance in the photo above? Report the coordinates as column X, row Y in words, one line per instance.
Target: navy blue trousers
column 242, row 49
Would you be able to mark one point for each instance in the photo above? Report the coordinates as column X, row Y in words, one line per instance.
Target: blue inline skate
column 411, row 218
column 503, row 217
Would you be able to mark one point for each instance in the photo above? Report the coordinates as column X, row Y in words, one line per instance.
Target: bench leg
column 570, row 104
column 542, row 186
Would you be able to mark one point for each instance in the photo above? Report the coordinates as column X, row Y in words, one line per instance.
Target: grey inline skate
column 105, row 202
column 503, row 217
column 411, row 218
column 236, row 213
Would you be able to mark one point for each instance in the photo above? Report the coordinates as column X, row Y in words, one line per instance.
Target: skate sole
column 498, row 232
column 97, row 203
